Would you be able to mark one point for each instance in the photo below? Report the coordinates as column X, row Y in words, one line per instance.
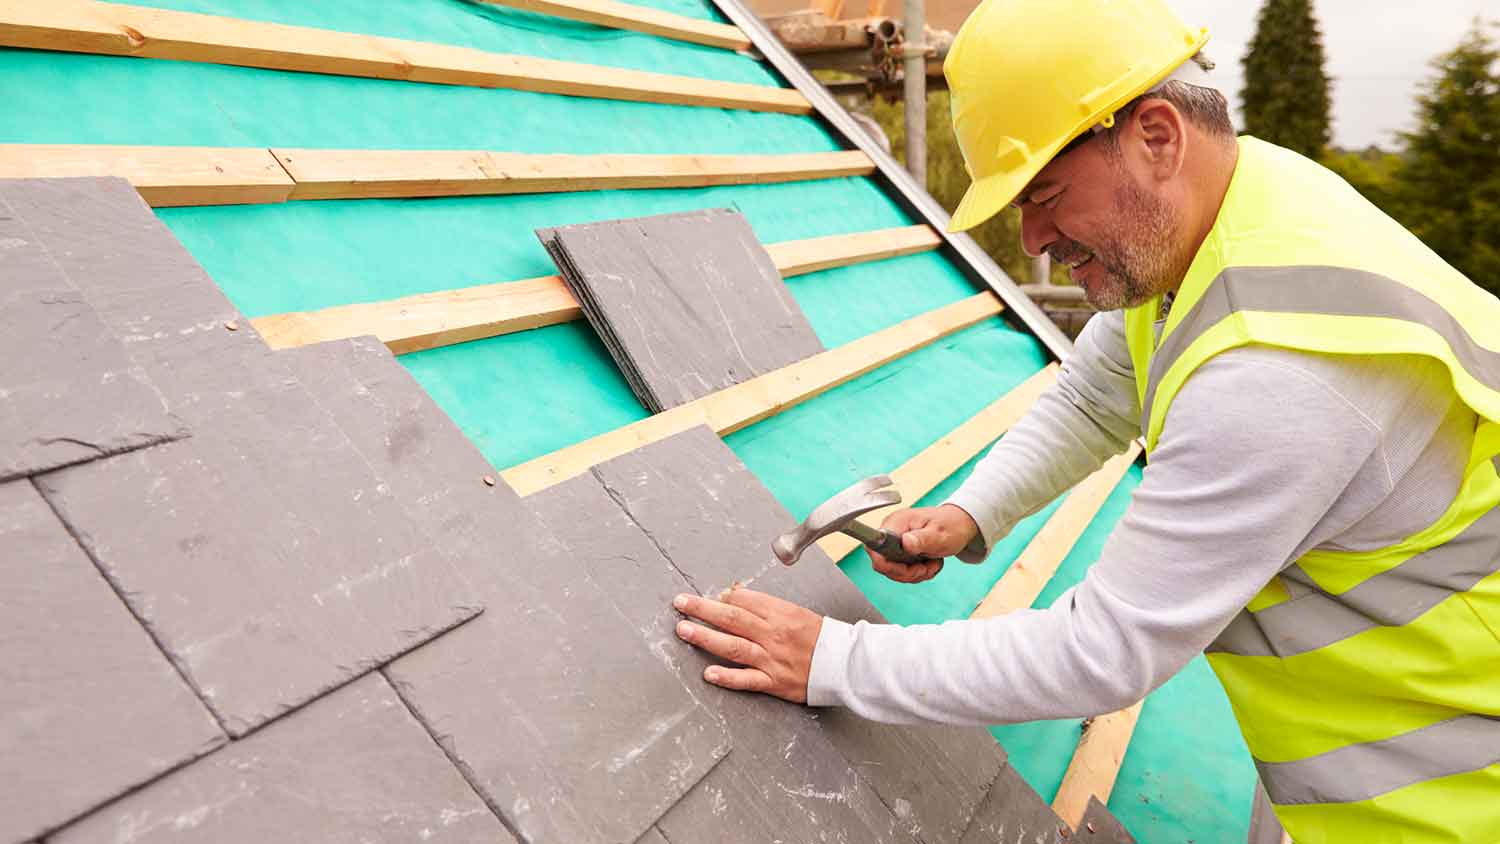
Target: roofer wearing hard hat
column 1319, row 395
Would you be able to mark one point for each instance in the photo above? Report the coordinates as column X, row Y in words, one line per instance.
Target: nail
column 684, row 630
column 680, row 602
column 711, row 675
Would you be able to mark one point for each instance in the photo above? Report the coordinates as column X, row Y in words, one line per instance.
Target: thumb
column 924, row 540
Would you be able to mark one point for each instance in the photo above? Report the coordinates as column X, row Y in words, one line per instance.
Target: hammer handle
column 883, row 542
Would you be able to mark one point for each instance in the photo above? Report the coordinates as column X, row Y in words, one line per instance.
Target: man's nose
column 1037, row 231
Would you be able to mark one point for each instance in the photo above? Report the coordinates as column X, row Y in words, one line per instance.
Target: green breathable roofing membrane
column 1187, row 775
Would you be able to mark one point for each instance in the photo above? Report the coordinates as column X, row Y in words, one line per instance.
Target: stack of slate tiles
column 686, row 303
column 283, row 644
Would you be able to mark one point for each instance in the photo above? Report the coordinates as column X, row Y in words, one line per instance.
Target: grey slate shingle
column 687, row 303
column 89, row 708
column 263, row 552
column 715, row 521
column 551, row 701
column 351, row 767
column 783, row 779
column 68, row 390
column 1100, row 826
column 1013, row 811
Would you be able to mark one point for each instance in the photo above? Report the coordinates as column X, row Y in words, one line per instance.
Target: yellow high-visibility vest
column 1367, row 685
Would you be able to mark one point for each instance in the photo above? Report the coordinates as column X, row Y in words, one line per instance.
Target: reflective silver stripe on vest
column 1332, row 291
column 1392, row 598
column 1362, row 771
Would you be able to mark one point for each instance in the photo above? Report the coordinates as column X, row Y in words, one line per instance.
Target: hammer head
column 833, row 515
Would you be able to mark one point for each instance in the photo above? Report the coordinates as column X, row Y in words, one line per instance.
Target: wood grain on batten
column 746, row 403
column 164, row 176
column 366, row 174
column 429, row 320
column 86, row 26
column 638, row 19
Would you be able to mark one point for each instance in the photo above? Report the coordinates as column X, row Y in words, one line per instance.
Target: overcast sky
column 1377, row 52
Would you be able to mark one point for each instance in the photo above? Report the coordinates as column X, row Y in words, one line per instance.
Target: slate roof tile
column 1013, row 811
column 715, row 521
column 686, row 303
column 263, row 553
column 783, row 779
column 551, row 701
column 352, row 767
column 68, row 390
column 89, row 708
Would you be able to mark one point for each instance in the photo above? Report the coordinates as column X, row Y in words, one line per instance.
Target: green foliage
column 1447, row 190
column 1286, row 98
column 1373, row 172
column 947, row 180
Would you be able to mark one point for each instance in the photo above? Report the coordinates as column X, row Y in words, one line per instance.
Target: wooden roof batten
column 89, row 26
column 178, row 176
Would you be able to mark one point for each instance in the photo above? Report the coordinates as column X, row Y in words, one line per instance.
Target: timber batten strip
column 795, row 257
column 746, row 403
column 370, row 174
column 936, row 463
column 1024, row 581
column 637, row 19
column 164, row 176
column 167, row 176
column 1096, row 763
column 442, row 318
column 86, row 26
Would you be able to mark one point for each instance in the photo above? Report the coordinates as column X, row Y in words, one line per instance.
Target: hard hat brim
column 987, row 197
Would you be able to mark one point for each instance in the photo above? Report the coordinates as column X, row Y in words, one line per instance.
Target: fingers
column 906, row 572
column 722, row 645
column 902, row 521
column 762, row 605
column 725, row 616
column 739, row 679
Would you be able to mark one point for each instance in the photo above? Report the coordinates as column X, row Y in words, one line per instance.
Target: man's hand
column 772, row 638
column 937, row 532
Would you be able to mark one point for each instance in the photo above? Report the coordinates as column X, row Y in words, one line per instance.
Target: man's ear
column 1160, row 134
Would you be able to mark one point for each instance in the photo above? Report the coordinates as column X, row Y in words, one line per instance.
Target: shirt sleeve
column 1237, row 484
column 1088, row 416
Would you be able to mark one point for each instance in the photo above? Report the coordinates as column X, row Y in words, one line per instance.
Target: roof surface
column 278, row 525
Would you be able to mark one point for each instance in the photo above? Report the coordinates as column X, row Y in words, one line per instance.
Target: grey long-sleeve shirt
column 1265, row 454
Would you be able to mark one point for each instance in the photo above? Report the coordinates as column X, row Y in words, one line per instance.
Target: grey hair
column 1204, row 107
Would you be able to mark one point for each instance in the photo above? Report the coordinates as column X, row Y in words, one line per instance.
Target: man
column 1320, row 400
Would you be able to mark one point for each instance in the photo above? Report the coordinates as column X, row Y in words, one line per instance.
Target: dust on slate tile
column 557, row 710
column 783, row 779
column 68, row 390
column 89, row 708
column 715, row 520
column 351, row 767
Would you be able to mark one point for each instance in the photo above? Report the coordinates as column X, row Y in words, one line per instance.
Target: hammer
column 839, row 515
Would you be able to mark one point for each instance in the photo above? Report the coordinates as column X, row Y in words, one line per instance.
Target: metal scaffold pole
column 915, row 91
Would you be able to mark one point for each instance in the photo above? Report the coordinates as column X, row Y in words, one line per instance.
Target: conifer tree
column 1448, row 187
column 1286, row 98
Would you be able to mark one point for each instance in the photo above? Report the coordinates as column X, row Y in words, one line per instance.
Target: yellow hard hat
column 1028, row 76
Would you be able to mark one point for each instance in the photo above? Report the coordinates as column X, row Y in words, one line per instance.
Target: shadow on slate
column 551, row 703
column 1099, row 825
column 68, row 390
column 353, row 766
column 89, row 708
column 1014, row 812
column 686, row 303
column 714, row 520
column 784, row 780
column 264, row 554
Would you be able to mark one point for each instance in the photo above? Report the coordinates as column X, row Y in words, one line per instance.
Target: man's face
column 1088, row 211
